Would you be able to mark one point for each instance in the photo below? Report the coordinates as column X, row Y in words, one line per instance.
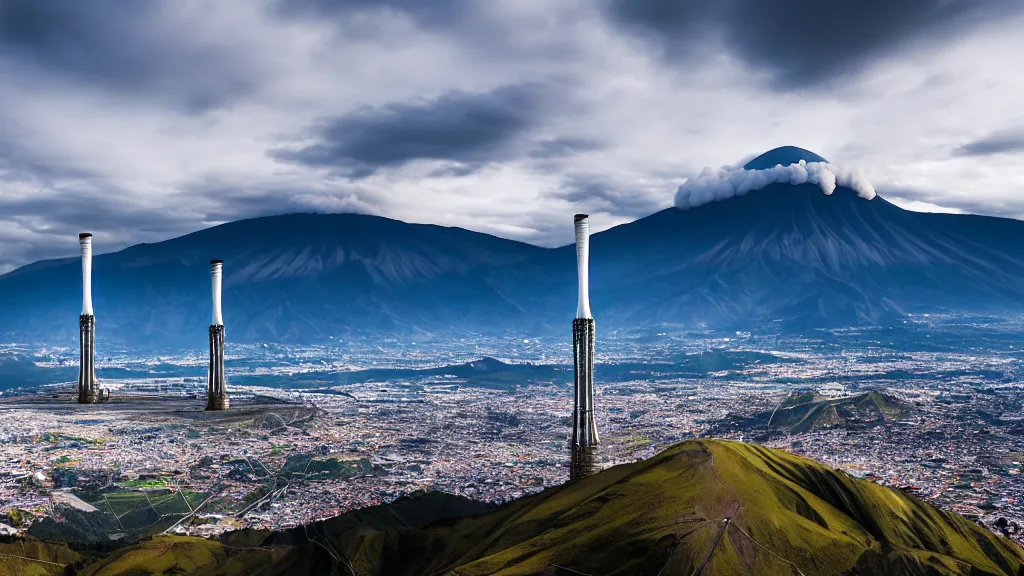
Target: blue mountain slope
column 301, row 277
column 792, row 253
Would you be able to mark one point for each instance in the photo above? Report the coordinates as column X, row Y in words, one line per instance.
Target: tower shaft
column 216, row 391
column 584, row 427
column 88, row 392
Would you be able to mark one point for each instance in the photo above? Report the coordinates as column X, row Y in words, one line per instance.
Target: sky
column 142, row 120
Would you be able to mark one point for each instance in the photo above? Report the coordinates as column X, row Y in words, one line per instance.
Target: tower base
column 92, row 397
column 583, row 462
column 216, row 391
column 218, row 403
column 584, row 427
column 88, row 391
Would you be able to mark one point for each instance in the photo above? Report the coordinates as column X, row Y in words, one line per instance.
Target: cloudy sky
column 141, row 120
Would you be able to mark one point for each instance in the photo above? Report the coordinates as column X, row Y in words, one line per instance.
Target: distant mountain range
column 699, row 507
column 786, row 256
column 492, row 373
column 294, row 278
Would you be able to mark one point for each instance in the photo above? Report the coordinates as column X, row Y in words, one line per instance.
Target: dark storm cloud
column 1004, row 142
column 18, row 164
column 481, row 28
column 801, row 42
column 46, row 224
column 73, row 208
column 549, row 156
column 598, row 195
column 427, row 12
column 127, row 46
column 468, row 129
column 227, row 203
column 562, row 147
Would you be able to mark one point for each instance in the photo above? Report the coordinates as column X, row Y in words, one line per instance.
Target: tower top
column 579, row 217
column 84, row 235
column 216, row 261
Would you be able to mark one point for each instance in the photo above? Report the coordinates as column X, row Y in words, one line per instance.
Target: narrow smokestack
column 583, row 264
column 216, row 389
column 85, row 239
column 217, row 274
column 88, row 391
column 584, row 427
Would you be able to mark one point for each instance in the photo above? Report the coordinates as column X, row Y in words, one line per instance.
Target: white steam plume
column 713, row 185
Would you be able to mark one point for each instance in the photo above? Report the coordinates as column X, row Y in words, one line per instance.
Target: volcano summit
column 786, row 165
column 781, row 246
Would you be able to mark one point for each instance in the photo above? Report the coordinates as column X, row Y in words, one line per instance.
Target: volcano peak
column 783, row 155
column 785, row 165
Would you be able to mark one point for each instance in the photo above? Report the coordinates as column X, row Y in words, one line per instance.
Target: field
column 142, row 513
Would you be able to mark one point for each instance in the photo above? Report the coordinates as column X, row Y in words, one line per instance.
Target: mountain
column 790, row 253
column 701, row 507
column 491, row 373
column 483, row 373
column 785, row 255
column 299, row 277
column 20, row 369
column 808, row 411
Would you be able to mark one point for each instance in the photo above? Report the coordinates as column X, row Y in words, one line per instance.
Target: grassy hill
column 701, row 507
column 806, row 411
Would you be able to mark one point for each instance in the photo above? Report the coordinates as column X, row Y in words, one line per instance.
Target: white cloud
column 921, row 206
column 727, row 182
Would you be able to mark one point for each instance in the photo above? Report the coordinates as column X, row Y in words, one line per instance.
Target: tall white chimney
column 217, row 274
column 85, row 239
column 584, row 426
column 216, row 391
column 583, row 264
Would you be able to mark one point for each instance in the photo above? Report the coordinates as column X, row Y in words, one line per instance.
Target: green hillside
column 806, row 411
column 701, row 507
column 785, row 515
column 32, row 557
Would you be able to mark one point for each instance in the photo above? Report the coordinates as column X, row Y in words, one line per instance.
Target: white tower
column 88, row 391
column 584, row 427
column 216, row 391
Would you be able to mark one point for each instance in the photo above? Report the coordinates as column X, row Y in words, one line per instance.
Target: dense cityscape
column 311, row 434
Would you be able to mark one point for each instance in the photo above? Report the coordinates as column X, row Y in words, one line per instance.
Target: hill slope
column 713, row 507
column 807, row 411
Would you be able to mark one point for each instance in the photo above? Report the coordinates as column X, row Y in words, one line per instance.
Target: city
column 288, row 455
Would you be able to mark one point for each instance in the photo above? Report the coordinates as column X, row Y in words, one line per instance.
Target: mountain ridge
column 785, row 253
